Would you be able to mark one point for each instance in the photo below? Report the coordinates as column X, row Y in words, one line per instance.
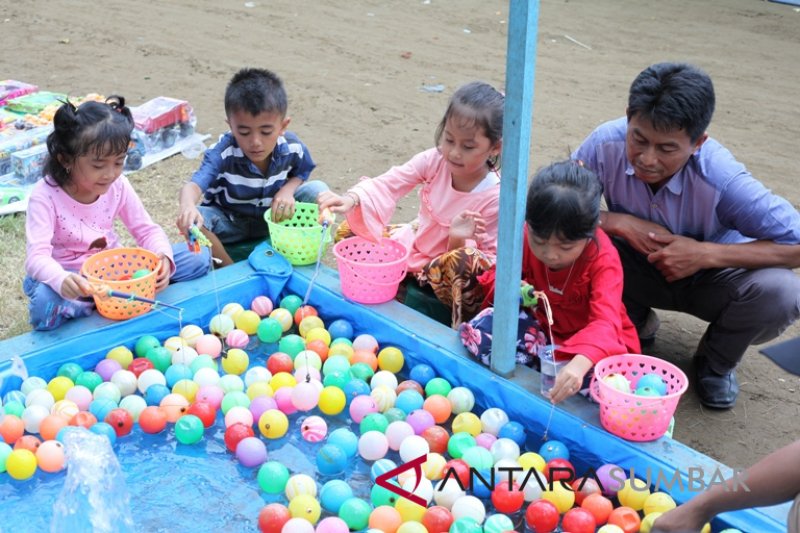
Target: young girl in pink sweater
column 71, row 213
column 454, row 237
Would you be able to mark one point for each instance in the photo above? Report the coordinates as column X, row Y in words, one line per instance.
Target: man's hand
column 635, row 231
column 678, row 257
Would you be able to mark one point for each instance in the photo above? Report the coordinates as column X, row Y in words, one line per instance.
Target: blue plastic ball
column 409, row 400
column 331, row 460
column 340, row 329
column 422, row 374
column 155, row 393
column 355, row 387
column 653, row 381
column 514, row 431
column 344, row 439
column 381, row 466
column 175, row 373
column 480, row 489
column 101, row 428
column 14, row 396
column 333, row 494
column 554, row 449
column 101, row 407
column 62, row 433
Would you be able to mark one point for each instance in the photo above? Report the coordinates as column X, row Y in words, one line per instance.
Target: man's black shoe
column 718, row 391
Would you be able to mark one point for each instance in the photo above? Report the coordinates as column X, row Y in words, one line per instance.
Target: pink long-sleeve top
column 439, row 204
column 62, row 232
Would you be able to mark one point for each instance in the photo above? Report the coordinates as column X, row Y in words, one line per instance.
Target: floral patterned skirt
column 476, row 335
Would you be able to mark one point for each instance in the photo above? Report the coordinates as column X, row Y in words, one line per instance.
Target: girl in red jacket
column 573, row 262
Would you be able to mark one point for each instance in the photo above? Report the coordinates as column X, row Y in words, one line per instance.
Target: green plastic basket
column 298, row 238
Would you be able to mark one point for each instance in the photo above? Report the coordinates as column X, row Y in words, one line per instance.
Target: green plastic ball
column 142, row 272
column 291, row 303
column 375, row 422
column 14, row 408
column 381, row 496
column 292, row 344
column 89, row 379
column 337, row 379
column 160, row 357
column 234, row 399
column 466, row 525
column 70, row 370
column 272, row 477
column 393, row 414
column 355, row 513
column 341, row 340
column 498, row 523
column 189, row 429
column 202, row 361
column 269, row 330
column 478, row 458
column 438, row 386
column 459, row 443
column 362, row 371
column 335, row 363
column 5, row 451
column 145, row 344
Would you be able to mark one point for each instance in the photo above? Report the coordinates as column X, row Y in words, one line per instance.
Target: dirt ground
column 357, row 72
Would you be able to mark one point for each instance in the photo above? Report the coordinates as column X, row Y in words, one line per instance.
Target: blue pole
column 523, row 18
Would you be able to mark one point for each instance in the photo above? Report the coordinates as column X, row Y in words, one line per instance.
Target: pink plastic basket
column 370, row 272
column 632, row 417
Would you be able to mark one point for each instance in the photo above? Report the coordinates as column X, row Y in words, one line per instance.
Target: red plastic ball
column 437, row 438
column 599, row 506
column 542, row 516
column 626, row 519
column 507, row 498
column 83, row 419
column 319, row 347
column 121, row 420
column 461, row 469
column 410, row 384
column 583, row 487
column 152, row 419
column 27, row 442
column 302, row 312
column 437, row 519
column 578, row 520
column 280, row 362
column 273, row 517
column 139, row 365
column 559, row 469
column 235, row 433
column 204, row 411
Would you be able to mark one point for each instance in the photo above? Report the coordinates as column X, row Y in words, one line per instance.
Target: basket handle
column 373, row 282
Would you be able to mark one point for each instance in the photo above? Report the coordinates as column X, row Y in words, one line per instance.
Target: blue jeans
column 48, row 309
column 231, row 227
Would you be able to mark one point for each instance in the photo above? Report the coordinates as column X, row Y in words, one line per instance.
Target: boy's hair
column 673, row 96
column 255, row 90
column 102, row 128
column 479, row 104
column 564, row 201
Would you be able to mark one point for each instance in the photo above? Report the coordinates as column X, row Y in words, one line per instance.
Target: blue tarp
column 422, row 340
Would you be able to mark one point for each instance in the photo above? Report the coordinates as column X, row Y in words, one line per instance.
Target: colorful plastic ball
column 361, row 406
column 292, row 344
column 611, row 528
column 152, row 420
column 333, row 494
column 58, row 387
column 396, row 432
column 273, row 517
column 368, row 358
column 393, row 414
column 251, row 452
column 247, row 321
column 186, row 388
column 298, row 525
column 28, row 442
column 106, row 367
column 380, row 467
column 174, row 406
column 466, row 524
column 367, row 342
column 235, row 362
column 189, row 429
column 633, row 494
column 355, row 512
column 438, row 386
column 208, row 345
column 437, row 438
column 70, row 371
column 409, row 400
column 121, row 420
column 235, row 433
column 373, row 445
column 647, row 524
column 437, row 519
column 342, row 348
column 332, row 524
column 553, row 449
column 331, row 460
column 385, row 518
column 280, row 362
column 467, row 423
column 105, row 430
column 391, row 359
column 563, row 498
column 291, row 303
column 420, row 420
column 50, row 456
column 13, row 407
column 478, row 458
column 485, row 440
column 383, row 378
column 498, row 523
column 625, row 518
column 175, row 343
column 647, row 392
column 273, row 424
column 598, row 505
column 344, row 439
column 237, row 338
column 658, row 502
column 120, row 354
column 232, row 309
column 282, row 379
column 236, row 415
column 413, row 447
column 618, row 382
column 585, row 487
column 134, row 405
column 21, row 464
column 373, row 422
column 307, row 358
column 51, row 425
column 261, row 404
column 83, row 419
column 459, row 443
column 221, row 324
column 144, row 344
column 300, row 484
column 341, row 329
column 542, row 516
column 283, row 398
column 262, row 305
column 125, row 380
column 191, row 333
column 231, row 383
column 578, row 520
column 101, row 407
column 384, row 397
column 653, row 381
column 155, row 393
column 310, row 316
column 319, row 346
column 313, row 429
column 174, row 374
column 332, row 401
column 610, row 477
column 362, row 371
column 160, row 357
column 422, row 374
column 507, row 498
column 514, row 431
column 272, row 477
column 283, row 317
column 89, row 379
column 139, row 365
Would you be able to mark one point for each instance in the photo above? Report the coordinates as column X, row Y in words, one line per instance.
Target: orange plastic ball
column 410, row 384
column 11, row 428
column 318, row 346
column 50, row 456
column 626, row 519
column 302, row 312
column 365, row 356
column 174, row 406
column 438, row 406
column 84, row 419
column 27, row 442
column 385, row 518
column 152, row 419
column 599, row 506
column 51, row 425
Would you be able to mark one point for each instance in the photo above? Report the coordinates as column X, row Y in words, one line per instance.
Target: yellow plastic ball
column 220, row 324
column 284, row 318
column 121, row 355
column 706, row 528
column 342, row 348
column 610, row 528
column 232, row 310
column 259, row 388
column 173, row 344
column 391, row 359
column 409, row 511
column 332, row 400
column 65, row 409
column 633, row 496
column 658, row 502
column 411, row 527
column 647, row 522
column 467, row 422
column 433, row 468
column 308, row 323
column 561, row 497
column 236, row 362
column 300, row 484
column 318, row 334
column 186, row 388
column 191, row 333
column 305, row 507
column 282, row 379
column 247, row 321
column 21, row 464
column 59, row 385
column 273, row 424
column 531, row 460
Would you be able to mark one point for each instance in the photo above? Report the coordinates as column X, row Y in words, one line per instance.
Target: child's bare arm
column 188, row 214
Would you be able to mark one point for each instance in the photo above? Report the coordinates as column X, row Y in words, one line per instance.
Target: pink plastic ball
column 81, row 396
column 283, row 398
column 420, row 420
column 305, row 396
column 313, row 429
column 365, row 342
column 373, row 445
column 251, row 451
column 361, row 406
column 211, row 394
column 396, row 432
column 260, row 404
column 237, row 338
column 307, row 371
column 238, row 415
column 106, row 368
column 332, row 524
column 50, row 456
column 261, row 305
column 485, row 440
column 209, row 345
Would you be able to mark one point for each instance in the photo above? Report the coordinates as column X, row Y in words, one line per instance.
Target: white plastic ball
column 32, row 383
column 257, row 374
column 125, row 380
column 175, row 343
column 190, row 333
column 108, row 390
column 397, row 432
column 32, row 417
column 383, row 378
column 206, row 376
column 300, row 484
column 307, row 358
column 40, row 397
column 504, row 449
column 231, row 383
column 365, row 342
column 151, row 376
column 412, row 447
column 184, row 355
column 134, row 405
column 424, row 490
column 65, row 408
column 447, row 492
column 493, row 419
column 238, row 414
column 81, row 395
column 221, row 325
column 373, row 445
column 461, row 400
column 532, row 490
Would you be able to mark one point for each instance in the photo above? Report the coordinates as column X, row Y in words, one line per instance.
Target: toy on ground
column 158, row 124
